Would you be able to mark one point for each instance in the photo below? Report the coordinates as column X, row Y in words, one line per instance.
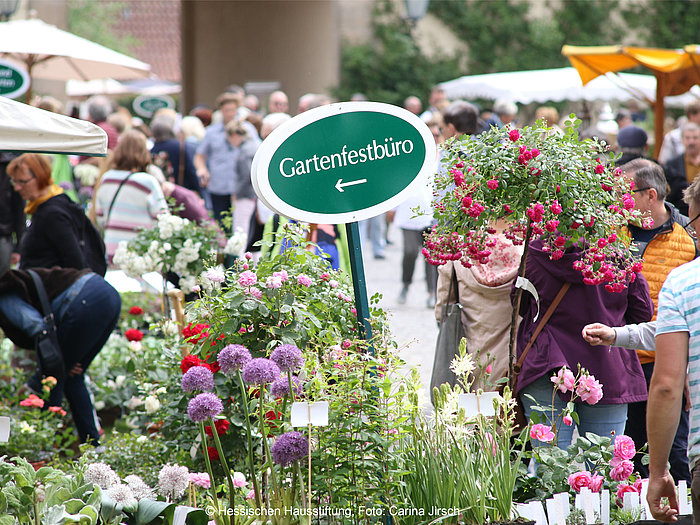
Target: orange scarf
column 31, row 206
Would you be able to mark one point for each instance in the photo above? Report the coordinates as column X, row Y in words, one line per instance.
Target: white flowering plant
column 173, row 245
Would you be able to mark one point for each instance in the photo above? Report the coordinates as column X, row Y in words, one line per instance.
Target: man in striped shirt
column 677, row 351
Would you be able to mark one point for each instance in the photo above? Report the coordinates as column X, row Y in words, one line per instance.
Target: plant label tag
column 554, row 513
column 537, row 513
column 630, row 501
column 562, row 498
column 474, row 404
column 587, row 504
column 646, row 511
column 684, row 506
column 4, row 429
column 314, row 414
column 605, row 506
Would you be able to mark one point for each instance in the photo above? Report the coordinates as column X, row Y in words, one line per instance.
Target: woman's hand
column 76, row 370
column 598, row 334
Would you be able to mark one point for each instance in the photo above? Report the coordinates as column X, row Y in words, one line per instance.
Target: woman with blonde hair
column 128, row 198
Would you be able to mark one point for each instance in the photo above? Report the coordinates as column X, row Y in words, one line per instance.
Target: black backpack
column 91, row 242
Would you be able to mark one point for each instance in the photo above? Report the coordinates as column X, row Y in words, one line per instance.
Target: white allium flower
column 173, row 481
column 151, row 404
column 139, row 488
column 123, row 495
column 215, row 275
column 86, row 173
column 187, row 283
column 462, row 366
column 101, row 475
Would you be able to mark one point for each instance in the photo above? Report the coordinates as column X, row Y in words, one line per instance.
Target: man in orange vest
column 664, row 245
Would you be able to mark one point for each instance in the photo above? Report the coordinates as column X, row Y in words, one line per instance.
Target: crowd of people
column 202, row 161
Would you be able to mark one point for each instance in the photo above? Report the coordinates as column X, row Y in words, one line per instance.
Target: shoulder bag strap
column 560, row 295
column 114, row 198
column 43, row 299
column 181, row 166
column 455, row 283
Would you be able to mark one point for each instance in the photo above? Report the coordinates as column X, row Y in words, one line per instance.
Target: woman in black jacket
column 53, row 237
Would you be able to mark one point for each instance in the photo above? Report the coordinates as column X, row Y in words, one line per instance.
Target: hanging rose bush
column 542, row 183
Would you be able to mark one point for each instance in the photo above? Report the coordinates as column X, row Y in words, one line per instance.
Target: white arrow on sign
column 340, row 184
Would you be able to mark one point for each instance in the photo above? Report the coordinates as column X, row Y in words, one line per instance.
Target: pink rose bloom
column 564, row 380
column 333, row 283
column 200, row 479
column 542, row 433
column 624, row 447
column 599, row 169
column 596, row 483
column 580, row 479
column 489, row 368
column 304, row 280
column 239, row 480
column 282, row 275
column 638, row 484
column 568, row 420
column 251, row 494
column 513, row 135
column 247, row 278
column 622, row 471
column 255, row 292
column 273, row 282
column 492, row 184
column 589, row 389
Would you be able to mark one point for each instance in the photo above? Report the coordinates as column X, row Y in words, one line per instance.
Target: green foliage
column 96, row 21
column 667, row 24
column 47, row 496
column 520, row 40
column 391, row 67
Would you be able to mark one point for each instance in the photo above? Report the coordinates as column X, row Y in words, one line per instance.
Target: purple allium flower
column 204, row 406
column 288, row 358
column 280, row 387
column 198, row 379
column 233, row 358
column 289, row 447
column 260, row 371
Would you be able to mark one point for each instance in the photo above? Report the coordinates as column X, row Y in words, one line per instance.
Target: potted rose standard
column 544, row 184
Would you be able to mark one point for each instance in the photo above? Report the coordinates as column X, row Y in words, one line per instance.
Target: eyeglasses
column 689, row 227
column 24, row 182
column 641, row 189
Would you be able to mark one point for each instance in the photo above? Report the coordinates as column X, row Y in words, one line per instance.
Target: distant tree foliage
column 391, row 67
column 502, row 35
column 665, row 24
column 95, row 20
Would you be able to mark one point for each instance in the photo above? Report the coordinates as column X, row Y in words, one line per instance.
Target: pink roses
column 542, row 433
column 583, row 478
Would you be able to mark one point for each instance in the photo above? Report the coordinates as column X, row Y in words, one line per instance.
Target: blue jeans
column 86, row 313
column 374, row 227
column 597, row 419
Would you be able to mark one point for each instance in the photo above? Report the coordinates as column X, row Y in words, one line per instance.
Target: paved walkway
column 412, row 324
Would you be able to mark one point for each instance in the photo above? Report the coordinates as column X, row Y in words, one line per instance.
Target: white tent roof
column 60, row 55
column 26, row 128
column 544, row 85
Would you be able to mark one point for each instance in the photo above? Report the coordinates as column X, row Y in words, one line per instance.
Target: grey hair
column 647, row 174
column 99, row 108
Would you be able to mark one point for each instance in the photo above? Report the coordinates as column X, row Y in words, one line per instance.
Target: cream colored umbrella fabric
column 26, row 128
column 48, row 52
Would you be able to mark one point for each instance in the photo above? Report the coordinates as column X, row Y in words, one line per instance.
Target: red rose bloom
column 221, row 426
column 213, row 453
column 188, row 362
column 213, row 367
column 133, row 334
column 194, row 334
column 135, row 310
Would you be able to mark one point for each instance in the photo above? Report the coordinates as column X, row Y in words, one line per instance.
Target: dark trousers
column 82, row 332
column 219, row 205
column 637, row 429
column 412, row 246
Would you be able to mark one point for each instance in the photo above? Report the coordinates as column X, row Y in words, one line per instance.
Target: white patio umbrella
column 53, row 54
column 26, row 128
column 555, row 85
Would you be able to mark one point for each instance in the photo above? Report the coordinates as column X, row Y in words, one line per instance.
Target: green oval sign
column 14, row 81
column 147, row 105
column 343, row 162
